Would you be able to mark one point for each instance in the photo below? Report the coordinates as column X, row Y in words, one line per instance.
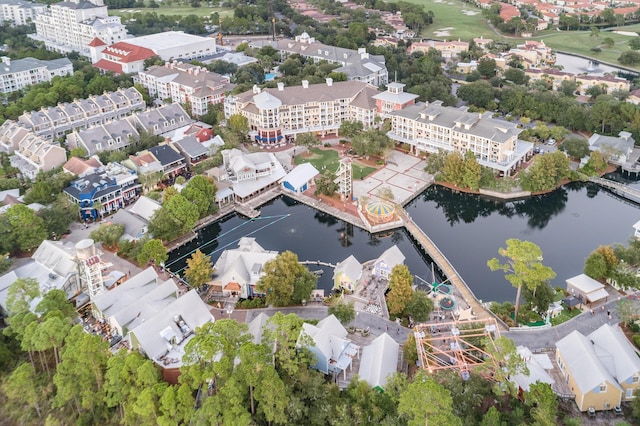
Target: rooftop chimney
column 281, row 86
column 305, row 84
column 329, row 81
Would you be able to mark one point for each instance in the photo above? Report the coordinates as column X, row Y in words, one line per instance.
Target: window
column 635, row 379
column 628, row 393
column 603, row 388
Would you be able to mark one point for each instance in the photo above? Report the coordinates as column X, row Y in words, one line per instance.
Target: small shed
column 300, row 178
column 586, row 289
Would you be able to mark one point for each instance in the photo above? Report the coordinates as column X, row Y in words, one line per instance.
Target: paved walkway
column 585, row 323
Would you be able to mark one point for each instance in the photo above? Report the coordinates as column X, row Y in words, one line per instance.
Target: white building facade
column 183, row 83
column 19, row 12
column 433, row 127
column 20, row 73
column 72, row 25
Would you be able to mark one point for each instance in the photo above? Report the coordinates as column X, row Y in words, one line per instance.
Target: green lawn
column 565, row 316
column 581, row 42
column 465, row 21
column 323, row 159
column 174, row 11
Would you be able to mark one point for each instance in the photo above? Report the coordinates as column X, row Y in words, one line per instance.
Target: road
column 585, row 323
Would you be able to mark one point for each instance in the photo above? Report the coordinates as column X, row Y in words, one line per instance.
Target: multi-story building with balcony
column 71, row 25
column 434, row 127
column 20, row 73
column 104, row 191
column 184, row 83
column 34, row 154
column 358, row 65
column 19, row 12
column 277, row 115
column 117, row 134
column 55, row 122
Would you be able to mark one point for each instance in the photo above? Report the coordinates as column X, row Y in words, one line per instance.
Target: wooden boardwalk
column 449, row 271
column 618, row 188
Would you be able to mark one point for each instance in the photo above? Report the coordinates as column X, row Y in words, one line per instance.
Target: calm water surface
column 567, row 224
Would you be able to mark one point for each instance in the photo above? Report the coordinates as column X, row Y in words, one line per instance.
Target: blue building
column 105, row 191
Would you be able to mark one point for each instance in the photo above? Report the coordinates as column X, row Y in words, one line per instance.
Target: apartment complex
column 20, row 73
column 35, row 154
column 433, row 127
column 184, row 83
column 114, row 135
column 358, row 65
column 55, row 122
column 448, row 49
column 282, row 113
column 19, row 12
column 71, row 25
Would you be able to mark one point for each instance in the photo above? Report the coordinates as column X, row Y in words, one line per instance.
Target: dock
column 620, row 189
column 449, row 271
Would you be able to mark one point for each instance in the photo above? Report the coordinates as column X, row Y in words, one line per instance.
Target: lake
column 567, row 224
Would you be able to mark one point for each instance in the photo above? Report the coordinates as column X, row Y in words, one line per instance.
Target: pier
column 618, row 188
column 449, row 271
column 317, row 262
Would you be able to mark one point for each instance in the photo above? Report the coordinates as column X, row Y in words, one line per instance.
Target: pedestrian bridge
column 618, row 188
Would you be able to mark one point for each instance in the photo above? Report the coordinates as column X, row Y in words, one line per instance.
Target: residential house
column 389, row 259
column 357, row 65
column 482, row 43
column 171, row 161
column 184, row 82
column 11, row 134
column 35, row 154
column 586, row 289
column 256, row 327
column 71, row 25
column 602, row 368
column 448, row 49
column 237, row 271
column 539, row 368
column 9, row 198
column 165, row 333
column 52, row 265
column 80, row 167
column 466, row 67
column 634, row 97
column 105, row 191
column 191, row 149
column 300, row 178
column 20, row 73
column 136, row 219
column 333, row 352
column 249, row 174
column 432, row 127
column 607, row 83
column 379, row 361
column 55, row 122
column 347, row 273
column 616, row 149
column 119, row 133
column 278, row 115
column 551, row 76
column 19, row 12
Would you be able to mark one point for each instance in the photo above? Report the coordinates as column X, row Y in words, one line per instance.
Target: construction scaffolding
column 458, row 345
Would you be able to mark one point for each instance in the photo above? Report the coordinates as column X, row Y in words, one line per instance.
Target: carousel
column 379, row 211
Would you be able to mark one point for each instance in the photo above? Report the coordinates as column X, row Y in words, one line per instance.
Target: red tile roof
column 105, row 65
column 125, row 52
column 97, row 42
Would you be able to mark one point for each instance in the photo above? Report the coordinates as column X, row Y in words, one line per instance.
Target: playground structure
column 462, row 345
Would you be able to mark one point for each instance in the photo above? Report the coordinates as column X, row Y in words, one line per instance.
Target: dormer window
column 181, row 119
column 155, row 127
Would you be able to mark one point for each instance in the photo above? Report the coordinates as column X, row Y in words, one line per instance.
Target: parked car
column 551, row 142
